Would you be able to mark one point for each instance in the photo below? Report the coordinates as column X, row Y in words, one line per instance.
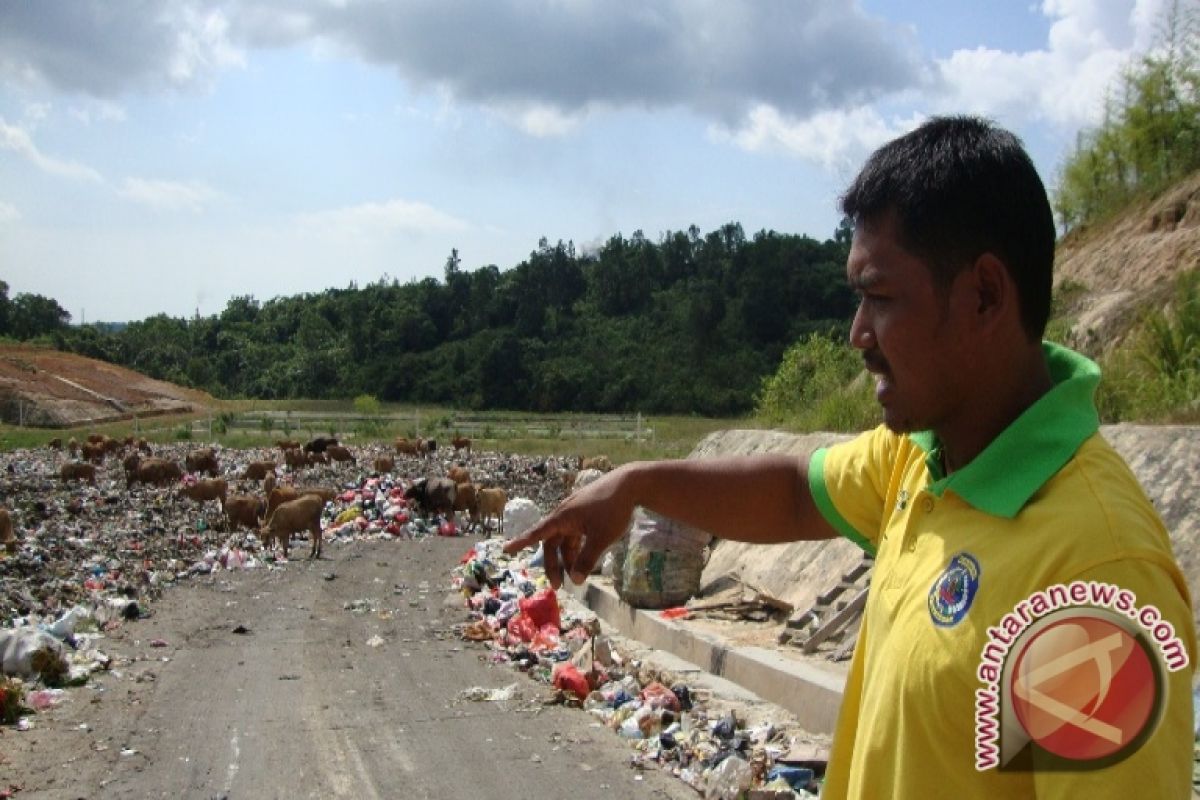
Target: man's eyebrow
column 865, row 279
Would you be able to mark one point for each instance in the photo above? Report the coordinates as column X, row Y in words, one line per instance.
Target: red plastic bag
column 568, row 678
column 658, row 696
column 678, row 612
column 522, row 627
column 545, row 639
column 542, row 608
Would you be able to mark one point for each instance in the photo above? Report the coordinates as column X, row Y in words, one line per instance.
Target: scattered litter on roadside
column 670, row 724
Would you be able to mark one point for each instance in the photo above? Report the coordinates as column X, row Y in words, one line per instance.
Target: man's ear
column 995, row 294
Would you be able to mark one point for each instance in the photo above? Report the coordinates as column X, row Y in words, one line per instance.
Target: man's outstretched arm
column 761, row 499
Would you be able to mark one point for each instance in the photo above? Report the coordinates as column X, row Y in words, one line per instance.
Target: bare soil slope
column 47, row 388
column 1127, row 265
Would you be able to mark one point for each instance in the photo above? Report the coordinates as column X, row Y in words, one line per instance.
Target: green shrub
column 818, row 386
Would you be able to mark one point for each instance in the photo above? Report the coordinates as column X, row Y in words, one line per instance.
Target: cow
column 282, row 494
column 95, row 438
column 319, row 444
column 73, row 447
column 287, row 444
column 93, row 452
column 78, row 471
column 384, row 465
column 244, row 511
column 205, row 489
column 338, row 453
column 303, row 513
column 6, row 531
column 55, row 443
column 158, row 471
column 433, row 495
column 595, row 462
column 427, row 446
column 268, row 483
column 465, row 500
column 491, row 503
column 461, row 443
column 459, row 474
column 295, row 458
column 203, row 460
column 143, row 446
column 406, row 447
column 257, row 470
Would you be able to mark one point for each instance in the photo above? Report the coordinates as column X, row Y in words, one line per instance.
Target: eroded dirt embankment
column 1165, row 459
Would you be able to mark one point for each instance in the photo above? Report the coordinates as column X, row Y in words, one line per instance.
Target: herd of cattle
column 282, row 507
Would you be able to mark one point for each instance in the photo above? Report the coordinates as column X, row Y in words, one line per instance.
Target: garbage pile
column 671, row 725
column 87, row 556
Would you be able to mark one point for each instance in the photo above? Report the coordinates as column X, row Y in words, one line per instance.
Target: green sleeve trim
column 820, row 494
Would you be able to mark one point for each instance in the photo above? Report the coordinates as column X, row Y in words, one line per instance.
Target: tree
column 33, row 315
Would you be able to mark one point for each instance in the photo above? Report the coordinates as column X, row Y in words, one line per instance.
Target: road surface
column 333, row 679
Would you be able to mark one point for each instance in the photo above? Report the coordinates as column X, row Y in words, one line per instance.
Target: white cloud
column 8, row 212
column 19, row 141
column 1065, row 83
column 375, row 219
column 97, row 111
column 544, row 121
column 169, row 195
column 103, row 49
column 833, row 139
column 202, row 47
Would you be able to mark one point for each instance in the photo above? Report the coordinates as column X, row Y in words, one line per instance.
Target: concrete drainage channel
column 811, row 693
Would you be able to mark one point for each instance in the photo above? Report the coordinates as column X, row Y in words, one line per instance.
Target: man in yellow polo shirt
column 1027, row 633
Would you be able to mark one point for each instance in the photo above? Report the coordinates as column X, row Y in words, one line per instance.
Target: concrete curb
column 812, row 694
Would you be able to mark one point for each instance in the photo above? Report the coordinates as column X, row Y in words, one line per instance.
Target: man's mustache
column 874, row 362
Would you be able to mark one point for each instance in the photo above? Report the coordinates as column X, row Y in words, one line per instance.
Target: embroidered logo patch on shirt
column 952, row 593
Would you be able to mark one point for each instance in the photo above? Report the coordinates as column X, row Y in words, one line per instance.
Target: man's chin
column 897, row 422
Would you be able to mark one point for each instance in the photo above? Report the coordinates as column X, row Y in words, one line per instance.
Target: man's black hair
column 962, row 187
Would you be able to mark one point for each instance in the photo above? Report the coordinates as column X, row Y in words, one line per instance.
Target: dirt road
column 272, row 684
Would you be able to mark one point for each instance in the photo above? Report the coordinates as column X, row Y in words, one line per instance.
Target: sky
column 164, row 156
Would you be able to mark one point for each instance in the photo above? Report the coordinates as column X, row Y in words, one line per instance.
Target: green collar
column 1002, row 478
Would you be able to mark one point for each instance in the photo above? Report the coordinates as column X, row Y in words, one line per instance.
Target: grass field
column 241, row 424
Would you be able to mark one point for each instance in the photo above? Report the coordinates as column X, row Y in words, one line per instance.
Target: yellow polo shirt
column 1048, row 503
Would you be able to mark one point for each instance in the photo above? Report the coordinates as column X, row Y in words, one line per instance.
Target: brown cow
column 303, row 513
column 601, row 463
column 158, row 471
column 337, row 452
column 491, row 504
column 461, row 443
column 244, row 511
column 6, row 531
column 465, row 500
column 93, row 452
column 406, row 447
column 257, row 470
column 384, row 465
column 283, row 494
column 143, row 446
column 78, row 471
column 73, row 447
column 269, row 483
column 203, row 460
column 435, row 495
column 278, row 496
column 205, row 489
column 287, row 444
column 295, row 458
column 95, row 438
column 459, row 474
column 55, row 443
